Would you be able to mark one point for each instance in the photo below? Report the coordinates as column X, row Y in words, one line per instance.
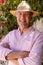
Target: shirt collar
column 28, row 31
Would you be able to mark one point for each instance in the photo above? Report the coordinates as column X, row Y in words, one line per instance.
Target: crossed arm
column 14, row 55
column 17, row 54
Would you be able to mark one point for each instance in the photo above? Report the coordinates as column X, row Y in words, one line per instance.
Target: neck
column 22, row 30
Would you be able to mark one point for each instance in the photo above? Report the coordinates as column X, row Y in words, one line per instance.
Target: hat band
column 24, row 8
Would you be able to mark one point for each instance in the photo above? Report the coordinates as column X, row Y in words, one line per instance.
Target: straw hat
column 23, row 6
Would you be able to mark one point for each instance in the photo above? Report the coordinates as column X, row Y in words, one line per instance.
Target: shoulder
column 13, row 32
column 37, row 35
column 37, row 32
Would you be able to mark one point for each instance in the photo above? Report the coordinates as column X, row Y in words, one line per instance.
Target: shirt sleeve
column 35, row 56
column 3, row 50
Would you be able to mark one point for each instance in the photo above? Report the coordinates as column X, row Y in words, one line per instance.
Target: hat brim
column 14, row 12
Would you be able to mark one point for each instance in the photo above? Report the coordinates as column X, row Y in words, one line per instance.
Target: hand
column 15, row 62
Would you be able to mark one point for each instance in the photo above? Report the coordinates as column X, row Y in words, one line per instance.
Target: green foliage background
column 36, row 5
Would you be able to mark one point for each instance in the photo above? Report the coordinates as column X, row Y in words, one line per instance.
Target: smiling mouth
column 24, row 24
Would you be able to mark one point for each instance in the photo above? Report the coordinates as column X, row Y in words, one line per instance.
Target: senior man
column 22, row 46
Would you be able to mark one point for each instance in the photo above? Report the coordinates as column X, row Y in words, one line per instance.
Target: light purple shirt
column 31, row 40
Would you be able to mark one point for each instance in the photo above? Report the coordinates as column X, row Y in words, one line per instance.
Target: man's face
column 24, row 18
